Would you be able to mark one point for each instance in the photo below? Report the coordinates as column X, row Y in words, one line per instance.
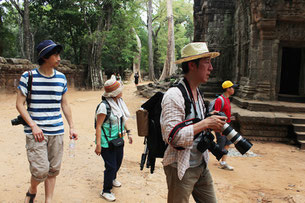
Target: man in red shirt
column 224, row 105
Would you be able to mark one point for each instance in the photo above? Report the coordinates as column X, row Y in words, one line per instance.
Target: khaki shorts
column 44, row 157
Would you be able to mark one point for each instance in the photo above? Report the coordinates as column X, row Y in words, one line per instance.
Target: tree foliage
column 104, row 27
column 120, row 44
column 8, row 31
column 183, row 29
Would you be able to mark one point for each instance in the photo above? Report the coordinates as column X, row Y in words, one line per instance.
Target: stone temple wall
column 11, row 70
column 250, row 36
column 213, row 20
column 267, row 27
column 213, row 24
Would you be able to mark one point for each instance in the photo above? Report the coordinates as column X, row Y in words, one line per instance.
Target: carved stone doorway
column 292, row 73
column 291, row 65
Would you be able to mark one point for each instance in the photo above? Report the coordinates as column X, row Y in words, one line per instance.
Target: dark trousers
column 113, row 157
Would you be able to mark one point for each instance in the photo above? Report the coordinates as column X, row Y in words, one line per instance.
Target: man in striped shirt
column 186, row 169
column 44, row 130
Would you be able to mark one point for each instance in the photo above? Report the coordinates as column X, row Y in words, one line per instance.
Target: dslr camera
column 207, row 142
column 17, row 121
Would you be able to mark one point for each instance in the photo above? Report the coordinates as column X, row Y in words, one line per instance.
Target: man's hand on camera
column 37, row 132
column 216, row 122
column 214, row 112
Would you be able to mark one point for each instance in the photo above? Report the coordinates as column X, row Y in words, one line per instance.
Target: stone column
column 267, row 35
column 275, row 70
column 248, row 84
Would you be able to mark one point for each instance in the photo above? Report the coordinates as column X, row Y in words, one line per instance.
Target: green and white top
column 113, row 131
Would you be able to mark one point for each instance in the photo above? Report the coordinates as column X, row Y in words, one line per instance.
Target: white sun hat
column 112, row 88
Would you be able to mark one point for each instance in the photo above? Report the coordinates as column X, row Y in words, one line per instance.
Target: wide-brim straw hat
column 196, row 50
column 112, row 88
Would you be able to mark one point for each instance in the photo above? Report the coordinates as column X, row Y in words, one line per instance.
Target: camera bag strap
column 30, row 81
column 108, row 109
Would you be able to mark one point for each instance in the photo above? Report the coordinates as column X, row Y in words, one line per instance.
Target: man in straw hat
column 44, row 130
column 186, row 169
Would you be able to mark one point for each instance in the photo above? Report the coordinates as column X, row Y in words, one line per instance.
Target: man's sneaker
column 108, row 196
column 116, row 183
column 225, row 166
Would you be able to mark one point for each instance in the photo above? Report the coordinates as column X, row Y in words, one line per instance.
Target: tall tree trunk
column 26, row 30
column 94, row 67
column 169, row 66
column 74, row 47
column 26, row 46
column 95, row 77
column 21, row 38
column 1, row 28
column 32, row 49
column 137, row 58
column 151, row 74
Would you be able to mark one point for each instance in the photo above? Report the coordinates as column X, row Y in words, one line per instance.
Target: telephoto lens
column 241, row 144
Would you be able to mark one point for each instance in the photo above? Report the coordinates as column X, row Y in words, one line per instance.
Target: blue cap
column 45, row 47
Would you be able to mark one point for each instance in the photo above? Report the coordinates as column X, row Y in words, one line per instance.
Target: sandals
column 32, row 196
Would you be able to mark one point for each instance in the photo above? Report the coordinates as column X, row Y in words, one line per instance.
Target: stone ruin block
column 2, row 60
column 18, row 61
column 11, row 69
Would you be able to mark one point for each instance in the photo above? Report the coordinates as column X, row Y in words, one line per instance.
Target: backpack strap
column 30, row 81
column 108, row 110
column 184, row 123
column 108, row 113
column 222, row 102
column 187, row 101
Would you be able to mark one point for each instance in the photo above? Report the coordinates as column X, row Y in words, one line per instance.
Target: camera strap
column 197, row 119
column 191, row 95
column 30, row 81
column 178, row 127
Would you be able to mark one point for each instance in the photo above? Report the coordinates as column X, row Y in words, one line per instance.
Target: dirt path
column 276, row 175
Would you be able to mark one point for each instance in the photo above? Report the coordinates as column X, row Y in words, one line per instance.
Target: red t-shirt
column 226, row 107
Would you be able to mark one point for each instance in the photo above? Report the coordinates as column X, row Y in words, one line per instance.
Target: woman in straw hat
column 111, row 116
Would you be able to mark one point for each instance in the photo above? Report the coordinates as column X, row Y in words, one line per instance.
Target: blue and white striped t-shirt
column 46, row 99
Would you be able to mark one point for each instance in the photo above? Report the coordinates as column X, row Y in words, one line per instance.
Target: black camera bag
column 116, row 142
